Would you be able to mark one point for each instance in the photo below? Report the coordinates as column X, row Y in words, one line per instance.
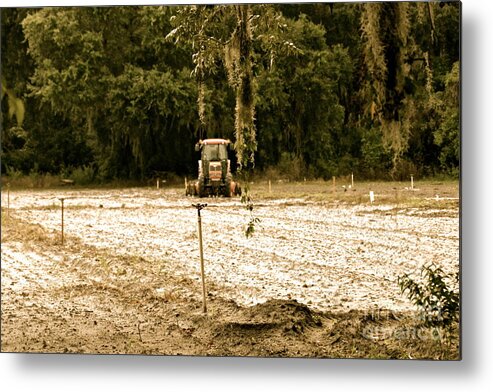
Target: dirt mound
column 279, row 315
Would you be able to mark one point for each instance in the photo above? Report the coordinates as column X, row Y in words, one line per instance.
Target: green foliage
column 247, row 200
column 13, row 174
column 330, row 88
column 447, row 136
column 404, row 47
column 437, row 300
column 83, row 175
column 94, row 69
column 15, row 104
column 386, row 34
column 375, row 159
column 302, row 116
column 291, row 167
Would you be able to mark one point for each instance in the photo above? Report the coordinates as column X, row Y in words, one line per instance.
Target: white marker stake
column 372, row 197
column 352, row 180
column 157, row 183
column 270, row 187
column 412, row 182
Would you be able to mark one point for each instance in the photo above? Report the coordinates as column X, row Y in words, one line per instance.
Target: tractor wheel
column 237, row 189
column 201, row 187
column 192, row 191
column 227, row 187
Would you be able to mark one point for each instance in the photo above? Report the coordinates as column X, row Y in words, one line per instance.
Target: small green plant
column 247, row 200
column 438, row 302
column 251, row 226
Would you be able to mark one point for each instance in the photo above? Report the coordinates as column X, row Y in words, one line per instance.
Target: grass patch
column 14, row 229
column 426, row 194
column 50, row 181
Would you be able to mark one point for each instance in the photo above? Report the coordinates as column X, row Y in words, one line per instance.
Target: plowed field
column 127, row 278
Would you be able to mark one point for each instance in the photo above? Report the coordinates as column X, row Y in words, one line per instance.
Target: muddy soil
column 127, row 278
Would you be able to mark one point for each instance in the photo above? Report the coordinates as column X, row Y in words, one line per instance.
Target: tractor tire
column 201, row 187
column 227, row 187
column 191, row 189
column 237, row 189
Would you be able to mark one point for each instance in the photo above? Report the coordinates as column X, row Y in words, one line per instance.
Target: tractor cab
column 214, row 152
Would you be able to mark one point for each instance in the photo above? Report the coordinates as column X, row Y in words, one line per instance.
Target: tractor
column 214, row 177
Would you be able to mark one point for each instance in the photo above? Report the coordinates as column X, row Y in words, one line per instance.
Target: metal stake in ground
column 62, row 200
column 199, row 207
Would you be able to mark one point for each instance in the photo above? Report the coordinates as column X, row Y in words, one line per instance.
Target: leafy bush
column 291, row 166
column 84, row 175
column 375, row 161
column 404, row 169
column 13, row 173
column 437, row 300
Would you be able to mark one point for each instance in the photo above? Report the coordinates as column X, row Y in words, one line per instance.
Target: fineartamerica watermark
column 401, row 332
column 380, row 332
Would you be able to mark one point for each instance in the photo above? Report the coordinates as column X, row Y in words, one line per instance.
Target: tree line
column 304, row 90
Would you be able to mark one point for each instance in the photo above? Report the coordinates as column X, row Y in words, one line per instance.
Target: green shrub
column 438, row 302
column 84, row 175
column 291, row 166
column 13, row 174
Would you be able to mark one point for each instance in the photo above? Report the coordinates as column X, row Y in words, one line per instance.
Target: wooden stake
column 157, row 183
column 334, row 184
column 270, row 187
column 352, row 180
column 372, row 197
column 412, row 182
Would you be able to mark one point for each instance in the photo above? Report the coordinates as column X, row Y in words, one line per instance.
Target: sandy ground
column 127, row 279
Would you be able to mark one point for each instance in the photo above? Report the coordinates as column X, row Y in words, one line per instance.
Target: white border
column 134, row 373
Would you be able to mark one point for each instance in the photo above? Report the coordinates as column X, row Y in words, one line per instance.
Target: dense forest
column 304, row 90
